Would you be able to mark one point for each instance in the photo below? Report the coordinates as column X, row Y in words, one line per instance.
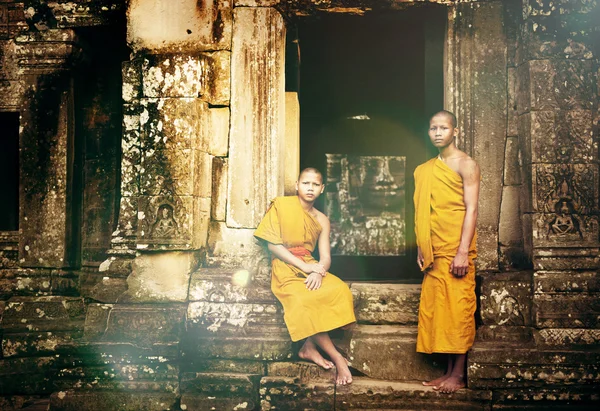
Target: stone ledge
column 365, row 394
column 496, row 365
column 386, row 303
column 376, row 351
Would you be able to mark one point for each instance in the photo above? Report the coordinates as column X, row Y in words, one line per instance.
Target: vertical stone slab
column 47, row 197
column 292, row 142
column 256, row 173
column 476, row 90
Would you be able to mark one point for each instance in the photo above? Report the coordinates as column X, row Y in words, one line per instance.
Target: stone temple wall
column 178, row 313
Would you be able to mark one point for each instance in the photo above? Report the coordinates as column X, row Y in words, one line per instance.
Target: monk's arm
column 324, row 245
column 279, row 251
column 469, row 170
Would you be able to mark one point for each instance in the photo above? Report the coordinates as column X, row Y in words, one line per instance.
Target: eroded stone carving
column 365, row 203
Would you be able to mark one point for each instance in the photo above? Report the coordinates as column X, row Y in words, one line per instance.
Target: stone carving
column 365, row 202
column 165, row 225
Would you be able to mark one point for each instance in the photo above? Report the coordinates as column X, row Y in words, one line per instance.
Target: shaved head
column 448, row 114
column 310, row 170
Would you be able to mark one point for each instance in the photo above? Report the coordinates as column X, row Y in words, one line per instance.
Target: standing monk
column 446, row 194
column 314, row 301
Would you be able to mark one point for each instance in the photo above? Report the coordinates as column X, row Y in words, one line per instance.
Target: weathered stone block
column 180, row 25
column 562, row 136
column 557, row 398
column 376, row 351
column 160, row 277
column 487, row 246
column 304, row 372
column 494, row 365
column 290, row 394
column 512, row 162
column 136, row 324
column 168, row 169
column 42, row 313
column 504, row 334
column 215, row 319
column 270, row 346
column 510, row 231
column 213, row 136
column 205, row 76
column 513, row 113
column 32, row 375
column 566, row 259
column 73, row 400
column 220, row 170
column 170, row 123
column 132, row 80
column 234, row 246
column 564, row 84
column 286, row 393
column 566, row 282
column 38, row 343
column 564, row 310
column 201, row 391
column 567, row 337
column 202, row 174
column 225, row 365
column 257, row 124
column 365, row 393
column 506, row 299
column 227, row 285
column 386, row 303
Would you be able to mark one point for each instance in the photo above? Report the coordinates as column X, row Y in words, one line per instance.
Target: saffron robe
column 306, row 312
column 447, row 306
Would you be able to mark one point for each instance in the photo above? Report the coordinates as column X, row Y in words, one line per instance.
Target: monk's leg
column 456, row 380
column 435, row 383
column 309, row 352
column 343, row 372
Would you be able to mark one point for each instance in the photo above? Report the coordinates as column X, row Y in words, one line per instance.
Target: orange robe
column 447, row 306
column 305, row 312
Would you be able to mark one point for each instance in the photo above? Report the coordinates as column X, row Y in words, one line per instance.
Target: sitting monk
column 446, row 194
column 314, row 301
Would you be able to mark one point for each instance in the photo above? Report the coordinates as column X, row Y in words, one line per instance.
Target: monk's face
column 309, row 186
column 441, row 131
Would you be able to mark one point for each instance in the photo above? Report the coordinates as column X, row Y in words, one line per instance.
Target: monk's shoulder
column 468, row 168
column 322, row 218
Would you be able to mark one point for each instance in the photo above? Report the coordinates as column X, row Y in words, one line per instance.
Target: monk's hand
column 420, row 258
column 313, row 281
column 460, row 265
column 315, row 268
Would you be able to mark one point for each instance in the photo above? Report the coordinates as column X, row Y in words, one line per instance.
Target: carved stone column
column 476, row 85
column 49, row 218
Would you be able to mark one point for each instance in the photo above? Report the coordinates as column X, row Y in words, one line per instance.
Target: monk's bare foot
column 343, row 376
column 451, row 384
column 309, row 352
column 437, row 381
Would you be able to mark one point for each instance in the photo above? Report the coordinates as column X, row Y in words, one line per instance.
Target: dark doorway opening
column 367, row 86
column 9, row 170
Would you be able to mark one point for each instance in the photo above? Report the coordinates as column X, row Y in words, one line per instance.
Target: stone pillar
column 49, row 217
column 557, row 104
column 256, row 172
column 476, row 92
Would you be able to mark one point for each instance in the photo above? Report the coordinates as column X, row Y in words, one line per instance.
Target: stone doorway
column 366, row 85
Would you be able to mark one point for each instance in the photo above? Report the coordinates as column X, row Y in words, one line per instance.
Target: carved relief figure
column 165, row 225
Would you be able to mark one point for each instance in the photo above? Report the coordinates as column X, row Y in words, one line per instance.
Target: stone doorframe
column 475, row 88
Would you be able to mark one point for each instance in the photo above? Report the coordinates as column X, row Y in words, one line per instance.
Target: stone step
column 219, row 391
column 287, row 393
column 517, row 365
column 388, row 352
column 386, row 303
